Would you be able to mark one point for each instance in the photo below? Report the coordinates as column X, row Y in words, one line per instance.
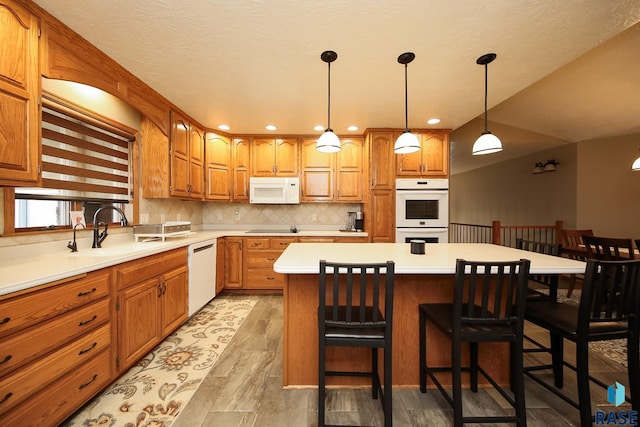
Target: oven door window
column 422, row 209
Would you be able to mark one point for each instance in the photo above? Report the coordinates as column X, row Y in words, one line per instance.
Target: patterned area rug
column 613, row 350
column 154, row 391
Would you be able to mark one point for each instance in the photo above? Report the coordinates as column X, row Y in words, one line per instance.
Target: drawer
column 316, row 239
column 263, row 278
column 281, row 243
column 261, row 259
column 28, row 309
column 132, row 272
column 257, row 243
column 56, row 402
column 18, row 386
column 26, row 345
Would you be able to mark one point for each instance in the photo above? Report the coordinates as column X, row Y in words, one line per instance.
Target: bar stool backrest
column 490, row 293
column 608, row 248
column 610, row 293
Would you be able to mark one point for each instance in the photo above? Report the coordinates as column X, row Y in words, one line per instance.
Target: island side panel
column 300, row 356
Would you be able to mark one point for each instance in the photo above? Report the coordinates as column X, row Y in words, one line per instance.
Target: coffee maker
column 359, row 223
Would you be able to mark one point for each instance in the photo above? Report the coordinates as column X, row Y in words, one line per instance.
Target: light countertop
column 440, row 258
column 26, row 266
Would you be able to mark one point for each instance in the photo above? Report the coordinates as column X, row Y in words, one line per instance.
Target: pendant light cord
column 406, row 101
column 486, row 83
column 329, row 97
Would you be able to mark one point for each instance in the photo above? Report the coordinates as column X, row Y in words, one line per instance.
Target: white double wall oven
column 422, row 210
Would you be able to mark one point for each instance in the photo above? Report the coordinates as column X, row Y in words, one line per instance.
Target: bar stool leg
column 518, row 381
column 321, row 384
column 557, row 359
column 582, row 368
column 388, row 385
column 375, row 378
column 473, row 364
column 633, row 362
column 423, row 352
column 456, row 376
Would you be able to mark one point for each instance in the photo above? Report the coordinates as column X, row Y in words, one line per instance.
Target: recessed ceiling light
column 433, row 121
column 352, row 128
column 223, row 127
column 318, row 128
column 270, row 127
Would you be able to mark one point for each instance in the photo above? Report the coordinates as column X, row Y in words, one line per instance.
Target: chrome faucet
column 98, row 237
column 74, row 246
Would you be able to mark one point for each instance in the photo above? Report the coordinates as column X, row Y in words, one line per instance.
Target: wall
column 608, row 197
column 508, row 192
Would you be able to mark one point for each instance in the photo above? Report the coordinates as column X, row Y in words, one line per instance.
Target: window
column 85, row 165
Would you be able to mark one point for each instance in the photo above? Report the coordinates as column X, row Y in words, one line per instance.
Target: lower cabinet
column 259, row 255
column 55, row 349
column 151, row 302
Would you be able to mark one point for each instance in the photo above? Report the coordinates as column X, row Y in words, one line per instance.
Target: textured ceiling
column 251, row 63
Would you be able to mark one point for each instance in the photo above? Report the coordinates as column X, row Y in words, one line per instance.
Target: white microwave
column 274, row 190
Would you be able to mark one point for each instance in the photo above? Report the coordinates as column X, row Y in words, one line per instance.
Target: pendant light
column 636, row 165
column 406, row 142
column 487, row 143
column 328, row 141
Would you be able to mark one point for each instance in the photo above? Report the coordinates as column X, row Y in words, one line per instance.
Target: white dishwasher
column 202, row 274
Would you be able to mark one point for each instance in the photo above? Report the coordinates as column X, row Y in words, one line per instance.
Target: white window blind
column 82, row 158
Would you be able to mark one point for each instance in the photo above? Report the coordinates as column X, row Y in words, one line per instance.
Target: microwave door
column 268, row 194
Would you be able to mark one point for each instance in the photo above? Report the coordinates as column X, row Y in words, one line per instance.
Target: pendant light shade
column 636, row 165
column 407, row 142
column 328, row 141
column 487, row 143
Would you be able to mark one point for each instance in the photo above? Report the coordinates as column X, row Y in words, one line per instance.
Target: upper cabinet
column 187, row 158
column 218, row 167
column 431, row 161
column 274, row 157
column 240, row 156
column 332, row 176
column 381, row 160
column 19, row 92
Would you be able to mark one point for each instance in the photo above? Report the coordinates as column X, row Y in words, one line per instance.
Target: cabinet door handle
column 81, row 294
column 6, row 359
column 86, row 350
column 84, row 322
column 5, row 320
column 159, row 290
column 6, row 397
column 87, row 383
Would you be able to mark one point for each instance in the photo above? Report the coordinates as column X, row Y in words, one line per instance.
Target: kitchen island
column 419, row 279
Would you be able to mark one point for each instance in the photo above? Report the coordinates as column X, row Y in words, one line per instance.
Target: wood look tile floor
column 244, row 389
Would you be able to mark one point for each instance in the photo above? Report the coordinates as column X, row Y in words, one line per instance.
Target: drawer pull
column 271, row 278
column 5, row 320
column 87, row 349
column 7, row 397
column 6, row 359
column 271, row 259
column 90, row 381
column 95, row 316
column 81, row 294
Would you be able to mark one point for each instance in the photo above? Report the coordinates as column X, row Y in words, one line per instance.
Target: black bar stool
column 609, row 309
column 356, row 310
column 488, row 306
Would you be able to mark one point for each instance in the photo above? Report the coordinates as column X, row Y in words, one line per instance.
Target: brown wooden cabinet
column 379, row 206
column 19, row 95
column 274, row 157
column 259, row 255
column 240, row 155
column 233, row 263
column 187, row 158
column 218, row 167
column 55, row 338
column 317, row 173
column 349, row 171
column 152, row 301
column 220, row 264
column 332, row 176
column 432, row 160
